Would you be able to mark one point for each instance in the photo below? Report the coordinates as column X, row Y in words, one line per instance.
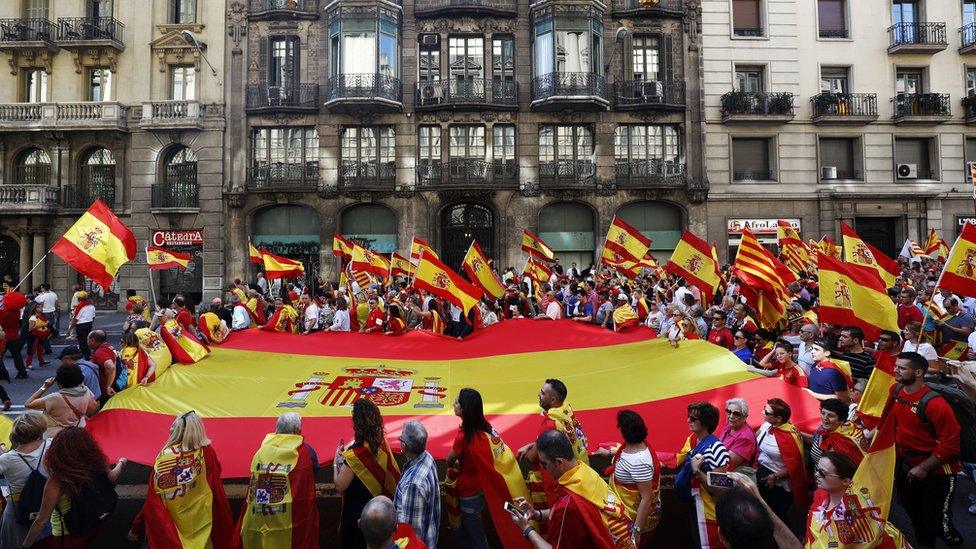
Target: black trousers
column 928, row 503
column 15, row 346
column 82, row 331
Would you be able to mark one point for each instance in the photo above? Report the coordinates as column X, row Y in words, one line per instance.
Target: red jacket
column 10, row 322
column 915, row 441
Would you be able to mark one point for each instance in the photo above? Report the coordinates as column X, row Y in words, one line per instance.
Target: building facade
column 839, row 110
column 120, row 101
column 454, row 121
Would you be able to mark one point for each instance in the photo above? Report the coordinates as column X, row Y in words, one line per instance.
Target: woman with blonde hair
column 26, row 456
column 185, row 504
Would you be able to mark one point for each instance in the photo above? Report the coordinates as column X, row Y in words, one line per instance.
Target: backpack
column 962, row 407
column 121, row 380
column 33, row 492
column 92, row 506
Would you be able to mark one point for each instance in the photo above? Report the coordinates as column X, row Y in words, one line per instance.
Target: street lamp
column 190, row 39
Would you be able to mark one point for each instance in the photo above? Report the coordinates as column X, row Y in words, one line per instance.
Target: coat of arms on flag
column 383, row 386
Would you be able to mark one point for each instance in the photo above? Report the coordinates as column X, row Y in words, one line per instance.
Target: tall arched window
column 96, row 180
column 568, row 228
column 659, row 221
column 32, row 167
column 178, row 188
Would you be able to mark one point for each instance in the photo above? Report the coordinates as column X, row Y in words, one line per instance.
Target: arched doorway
column 9, row 257
column 568, row 229
column 291, row 231
column 373, row 226
column 659, row 221
column 460, row 224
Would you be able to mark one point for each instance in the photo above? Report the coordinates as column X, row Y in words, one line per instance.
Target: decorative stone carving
column 328, row 191
column 30, row 58
column 456, row 195
column 237, row 23
column 529, row 188
column 697, row 190
column 93, row 57
column 234, row 199
column 171, row 49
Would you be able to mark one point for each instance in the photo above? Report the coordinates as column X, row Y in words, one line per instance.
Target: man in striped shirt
column 418, row 498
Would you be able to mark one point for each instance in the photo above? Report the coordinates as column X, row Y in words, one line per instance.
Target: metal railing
column 279, row 175
column 630, row 93
column 264, row 96
column 179, row 190
column 556, row 84
column 833, row 33
column 567, row 173
column 757, row 103
column 29, row 195
column 81, row 195
column 34, row 174
column 921, row 104
column 649, row 173
column 844, row 104
column 629, row 5
column 363, row 86
column 840, row 174
column 74, row 29
column 20, row 112
column 27, row 30
column 753, row 176
column 367, row 175
column 261, row 7
column 969, row 105
column 748, row 31
column 505, row 171
column 434, row 93
column 920, row 34
column 967, row 35
column 422, row 6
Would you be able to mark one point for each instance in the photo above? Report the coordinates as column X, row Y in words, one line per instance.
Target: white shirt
column 926, row 349
column 804, row 357
column 311, row 316
column 263, row 284
column 86, row 314
column 654, row 320
column 48, row 300
column 679, row 296
column 241, row 319
column 489, row 318
column 15, row 471
column 769, row 455
column 340, row 322
column 554, row 310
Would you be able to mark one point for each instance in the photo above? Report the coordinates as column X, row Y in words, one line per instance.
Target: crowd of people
column 745, row 481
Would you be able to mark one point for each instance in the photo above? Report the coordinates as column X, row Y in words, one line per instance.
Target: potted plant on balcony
column 825, row 103
column 735, row 102
column 781, row 103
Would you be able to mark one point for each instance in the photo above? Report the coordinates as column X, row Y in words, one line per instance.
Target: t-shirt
column 633, row 468
column 769, row 454
column 100, row 355
column 862, row 364
column 64, row 415
column 924, row 349
column 48, row 300
column 468, row 482
column 90, row 372
column 959, row 321
column 567, row 525
column 15, row 471
column 908, row 313
column 311, row 317
column 721, row 337
column 85, row 315
column 914, row 440
column 826, row 381
column 742, row 441
column 605, row 309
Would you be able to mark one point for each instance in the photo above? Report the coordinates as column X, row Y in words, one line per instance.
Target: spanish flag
column 276, row 266
column 97, row 245
column 400, row 266
column 851, row 294
column 155, row 347
column 859, row 252
column 959, row 274
column 137, row 362
column 693, row 261
column 438, row 279
column 210, row 326
column 341, row 247
column 254, row 254
column 370, row 262
column 536, row 247
column 160, row 259
column 419, row 247
column 827, row 246
column 877, row 393
column 537, row 270
column 626, row 241
column 766, row 279
column 603, row 515
column 478, row 269
column 378, row 472
column 627, row 267
column 184, row 346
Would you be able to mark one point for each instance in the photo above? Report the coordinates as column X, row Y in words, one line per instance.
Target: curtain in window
column 572, row 51
column 359, row 53
column 543, row 54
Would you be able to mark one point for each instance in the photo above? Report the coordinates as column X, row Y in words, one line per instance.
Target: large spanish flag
column 536, row 247
column 959, row 273
column 419, row 247
column 693, row 261
column 859, row 252
column 97, row 245
column 478, row 269
column 160, row 259
column 438, row 279
column 368, row 261
column 341, row 246
column 626, row 241
column 276, row 266
column 851, row 294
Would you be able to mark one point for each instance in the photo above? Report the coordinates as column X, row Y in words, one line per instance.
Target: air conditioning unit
column 907, row 171
column 828, row 172
column 430, row 40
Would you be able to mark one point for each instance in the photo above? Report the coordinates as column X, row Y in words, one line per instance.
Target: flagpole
column 43, row 257
column 152, row 291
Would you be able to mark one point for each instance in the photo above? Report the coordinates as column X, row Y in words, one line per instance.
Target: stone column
column 25, row 255
column 40, row 248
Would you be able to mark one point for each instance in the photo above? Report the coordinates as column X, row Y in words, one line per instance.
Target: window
column 750, row 159
column 183, row 11
column 503, row 150
column 97, row 178
column 570, row 44
column 913, row 158
column 970, row 80
column 35, row 85
column 749, row 78
column 503, row 60
column 32, row 167
column 832, row 18
column 283, row 62
column 647, row 151
column 430, row 152
column 180, row 180
column 99, row 8
column 285, row 146
column 366, row 46
column 36, row 9
column 368, row 154
column 908, row 81
column 467, row 142
column 904, row 16
column 747, row 18
column 834, row 80
column 837, row 158
column 970, row 153
column 968, row 12
column 466, row 66
column 99, row 84
column 183, row 83
column 429, row 64
column 646, row 58
column 566, row 151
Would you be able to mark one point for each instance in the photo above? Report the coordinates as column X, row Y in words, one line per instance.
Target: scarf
column 81, row 305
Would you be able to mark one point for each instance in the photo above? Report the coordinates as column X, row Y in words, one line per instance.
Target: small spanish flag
column 419, row 247
column 276, row 266
column 626, row 241
column 254, row 254
column 97, row 245
column 856, row 250
column 369, row 261
column 536, row 247
column 851, row 295
column 160, row 259
column 341, row 247
column 692, row 260
column 478, row 269
column 959, row 274
column 438, row 279
column 400, row 266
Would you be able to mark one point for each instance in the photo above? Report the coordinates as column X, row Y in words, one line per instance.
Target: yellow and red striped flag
column 369, row 261
column 626, row 241
column 931, row 243
column 693, row 260
column 159, row 259
column 627, row 267
column 478, row 269
column 400, row 266
column 97, row 245
column 827, row 246
column 438, row 279
column 537, row 270
column 341, row 246
column 859, row 252
column 536, row 247
column 850, row 295
column 793, row 251
column 276, row 266
column 419, row 247
column 254, row 254
column 959, row 274
column 766, row 276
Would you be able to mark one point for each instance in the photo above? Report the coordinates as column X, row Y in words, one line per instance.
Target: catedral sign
column 177, row 238
column 759, row 226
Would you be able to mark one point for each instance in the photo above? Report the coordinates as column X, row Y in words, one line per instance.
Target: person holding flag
column 140, row 366
column 624, row 317
column 184, row 346
column 284, row 319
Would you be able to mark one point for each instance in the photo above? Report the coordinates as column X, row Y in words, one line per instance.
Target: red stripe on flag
column 104, row 214
column 82, row 262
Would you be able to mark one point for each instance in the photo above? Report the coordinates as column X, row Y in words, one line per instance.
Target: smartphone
column 720, row 480
column 513, row 509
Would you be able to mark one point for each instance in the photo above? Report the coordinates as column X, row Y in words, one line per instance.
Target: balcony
column 358, row 92
column 285, row 177
column 28, row 34
column 500, row 8
column 261, row 98
column 921, row 108
column 567, row 174
column 831, row 173
column 466, row 94
column 654, row 94
column 21, row 198
column 80, row 196
column 967, row 39
column 917, row 38
column 367, row 176
column 271, row 10
column 671, row 8
column 179, row 192
column 467, row 172
column 753, row 176
column 969, row 106
column 91, row 32
column 757, row 107
column 89, row 115
column 558, row 91
column 635, row 174
column 844, row 108
column 171, row 115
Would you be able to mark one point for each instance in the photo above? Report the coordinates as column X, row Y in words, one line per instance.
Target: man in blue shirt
column 826, row 380
column 72, row 356
column 418, row 498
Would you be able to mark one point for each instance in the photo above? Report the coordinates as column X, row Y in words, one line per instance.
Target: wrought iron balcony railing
column 651, row 93
column 647, row 5
column 844, row 104
column 967, row 35
column 100, row 185
column 289, row 97
column 27, row 30
column 505, row 172
column 278, row 175
column 830, row 175
column 748, row 31
column 917, row 34
column 969, row 105
column 921, row 104
column 273, row 9
column 363, row 86
column 652, row 172
column 762, row 175
column 35, row 174
column 369, row 175
column 438, row 93
column 575, row 84
column 24, row 197
column 88, row 29
column 736, row 103
column 422, row 7
column 179, row 189
column 567, row 173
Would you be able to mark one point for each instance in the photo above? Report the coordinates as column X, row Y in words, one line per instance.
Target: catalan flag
column 959, row 274
column 932, row 242
column 536, row 247
column 254, row 254
column 478, row 269
column 400, row 266
column 627, row 267
column 438, row 279
column 692, row 259
column 859, row 252
column 537, row 270
column 276, row 266
column 760, row 271
column 97, row 245
column 369, row 261
column 161, row 258
column 626, row 241
column 419, row 247
column 793, row 251
column 341, row 246
column 850, row 295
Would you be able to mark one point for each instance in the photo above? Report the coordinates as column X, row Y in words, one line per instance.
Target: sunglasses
column 821, row 473
column 733, row 413
column 718, row 319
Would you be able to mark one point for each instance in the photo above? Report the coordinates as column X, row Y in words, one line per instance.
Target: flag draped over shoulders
column 613, row 528
column 791, row 449
column 379, row 473
column 183, row 346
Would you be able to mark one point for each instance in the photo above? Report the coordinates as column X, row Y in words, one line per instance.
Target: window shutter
column 669, row 57
column 293, row 59
column 745, row 14
column 750, row 155
column 263, row 60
